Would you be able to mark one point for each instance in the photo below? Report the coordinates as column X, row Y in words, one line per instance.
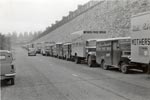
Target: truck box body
column 67, row 50
column 53, row 50
column 78, row 47
column 59, row 50
column 47, row 47
column 140, row 34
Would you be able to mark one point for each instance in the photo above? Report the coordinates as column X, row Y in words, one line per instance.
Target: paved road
column 46, row 78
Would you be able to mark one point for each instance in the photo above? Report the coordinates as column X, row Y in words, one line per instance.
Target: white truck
column 67, row 51
column 140, row 39
column 84, row 45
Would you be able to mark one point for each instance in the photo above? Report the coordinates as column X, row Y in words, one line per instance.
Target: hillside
column 112, row 16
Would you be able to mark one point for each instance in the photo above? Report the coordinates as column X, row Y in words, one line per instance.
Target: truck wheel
column 145, row 69
column 104, row 66
column 67, row 59
column 124, row 68
column 77, row 60
column 90, row 63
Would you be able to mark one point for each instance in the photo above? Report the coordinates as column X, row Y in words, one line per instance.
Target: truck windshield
column 91, row 49
column 125, row 44
column 126, row 53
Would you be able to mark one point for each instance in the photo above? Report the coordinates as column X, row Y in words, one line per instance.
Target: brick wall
column 112, row 16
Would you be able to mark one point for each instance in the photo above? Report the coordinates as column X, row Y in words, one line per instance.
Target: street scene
column 75, row 50
column 46, row 78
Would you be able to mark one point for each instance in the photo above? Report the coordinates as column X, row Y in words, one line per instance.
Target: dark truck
column 113, row 52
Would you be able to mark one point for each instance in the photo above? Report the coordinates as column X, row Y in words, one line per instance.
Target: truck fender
column 125, row 60
column 92, row 55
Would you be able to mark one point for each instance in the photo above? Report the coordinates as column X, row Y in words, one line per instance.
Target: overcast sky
column 33, row 15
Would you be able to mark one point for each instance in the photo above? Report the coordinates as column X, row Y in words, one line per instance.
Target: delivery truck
column 140, row 35
column 47, row 48
column 125, row 53
column 114, row 52
column 52, row 50
column 81, row 46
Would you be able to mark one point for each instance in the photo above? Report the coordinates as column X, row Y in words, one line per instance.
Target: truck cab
column 7, row 67
column 90, row 52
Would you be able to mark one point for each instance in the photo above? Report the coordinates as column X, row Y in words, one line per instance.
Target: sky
column 33, row 15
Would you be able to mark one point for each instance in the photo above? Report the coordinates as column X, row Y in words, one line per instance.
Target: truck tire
column 67, row 59
column 77, row 60
column 124, row 68
column 145, row 69
column 104, row 66
column 90, row 62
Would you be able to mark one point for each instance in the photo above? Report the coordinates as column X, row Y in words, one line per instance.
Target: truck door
column 106, row 52
column 116, row 53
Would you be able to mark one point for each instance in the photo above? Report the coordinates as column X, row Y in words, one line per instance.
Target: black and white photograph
column 74, row 49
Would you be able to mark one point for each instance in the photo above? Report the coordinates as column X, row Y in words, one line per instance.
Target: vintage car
column 7, row 67
column 32, row 52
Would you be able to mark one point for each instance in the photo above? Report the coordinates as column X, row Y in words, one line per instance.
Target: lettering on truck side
column 142, row 41
column 145, row 26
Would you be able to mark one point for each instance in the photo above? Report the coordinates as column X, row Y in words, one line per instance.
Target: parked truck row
column 98, row 48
